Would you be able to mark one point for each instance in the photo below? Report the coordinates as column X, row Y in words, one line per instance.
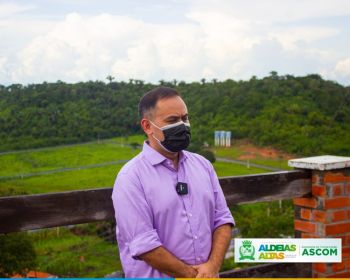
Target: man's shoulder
column 197, row 158
column 131, row 167
column 128, row 174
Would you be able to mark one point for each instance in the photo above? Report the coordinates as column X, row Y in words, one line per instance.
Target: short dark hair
column 149, row 100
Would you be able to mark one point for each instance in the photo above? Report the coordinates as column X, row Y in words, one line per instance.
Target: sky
column 151, row 40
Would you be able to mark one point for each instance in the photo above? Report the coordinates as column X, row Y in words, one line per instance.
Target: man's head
column 159, row 108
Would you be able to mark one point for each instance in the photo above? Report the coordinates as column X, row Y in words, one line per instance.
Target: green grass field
column 75, row 156
column 96, row 178
column 232, row 152
column 230, row 169
column 67, row 156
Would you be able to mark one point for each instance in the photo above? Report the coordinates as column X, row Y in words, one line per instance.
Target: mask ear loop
column 155, row 125
column 159, row 142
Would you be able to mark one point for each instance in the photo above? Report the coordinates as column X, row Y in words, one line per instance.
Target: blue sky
column 184, row 40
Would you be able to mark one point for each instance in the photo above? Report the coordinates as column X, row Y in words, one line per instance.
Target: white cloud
column 81, row 48
column 10, row 9
column 226, row 39
column 289, row 38
column 3, row 62
column 275, row 10
column 342, row 68
column 78, row 48
column 225, row 36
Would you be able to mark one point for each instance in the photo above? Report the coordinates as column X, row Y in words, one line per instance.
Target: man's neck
column 174, row 157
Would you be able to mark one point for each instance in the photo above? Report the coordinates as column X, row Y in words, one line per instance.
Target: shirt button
column 198, row 259
column 195, row 237
column 189, row 214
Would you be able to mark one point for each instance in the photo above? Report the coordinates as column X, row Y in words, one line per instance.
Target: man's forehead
column 171, row 106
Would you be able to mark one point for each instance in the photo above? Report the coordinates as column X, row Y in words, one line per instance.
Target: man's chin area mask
column 177, row 136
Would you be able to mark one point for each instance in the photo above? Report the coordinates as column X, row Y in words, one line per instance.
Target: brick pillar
column 326, row 213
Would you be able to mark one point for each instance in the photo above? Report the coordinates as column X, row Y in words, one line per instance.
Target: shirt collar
column 154, row 157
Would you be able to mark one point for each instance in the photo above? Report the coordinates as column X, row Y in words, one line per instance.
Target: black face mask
column 177, row 136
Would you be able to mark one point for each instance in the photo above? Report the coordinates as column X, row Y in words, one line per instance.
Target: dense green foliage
column 265, row 219
column 76, row 252
column 51, row 114
column 303, row 115
column 17, row 254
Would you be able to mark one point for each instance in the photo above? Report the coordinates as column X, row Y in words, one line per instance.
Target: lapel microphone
column 181, row 188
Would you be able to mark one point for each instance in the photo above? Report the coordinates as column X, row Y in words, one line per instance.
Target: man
column 172, row 217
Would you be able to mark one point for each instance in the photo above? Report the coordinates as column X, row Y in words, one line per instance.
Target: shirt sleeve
column 222, row 213
column 133, row 216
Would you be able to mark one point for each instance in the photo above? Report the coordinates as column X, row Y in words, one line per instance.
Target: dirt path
column 251, row 151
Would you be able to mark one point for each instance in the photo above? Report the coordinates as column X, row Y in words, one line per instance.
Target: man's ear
column 146, row 126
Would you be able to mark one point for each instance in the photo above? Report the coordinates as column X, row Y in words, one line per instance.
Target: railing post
column 326, row 212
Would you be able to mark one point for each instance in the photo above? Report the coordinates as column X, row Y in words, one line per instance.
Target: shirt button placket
column 191, row 218
column 194, row 226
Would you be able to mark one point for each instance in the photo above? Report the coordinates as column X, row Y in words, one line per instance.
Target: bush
column 17, row 254
column 209, row 155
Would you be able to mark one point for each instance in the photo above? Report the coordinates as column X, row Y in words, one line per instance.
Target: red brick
column 318, row 190
column 338, row 266
column 337, row 190
column 308, row 235
column 337, row 202
column 319, row 216
column 340, row 215
column 335, row 178
column 340, row 275
column 337, row 228
column 307, row 202
column 347, row 240
column 345, row 252
column 305, row 214
column 319, row 267
column 347, row 189
column 347, row 261
column 305, row 226
column 343, row 240
column 314, row 179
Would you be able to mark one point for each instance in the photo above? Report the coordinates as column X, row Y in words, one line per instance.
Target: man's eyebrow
column 174, row 117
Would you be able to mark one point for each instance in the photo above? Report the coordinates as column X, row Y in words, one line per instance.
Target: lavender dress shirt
column 150, row 213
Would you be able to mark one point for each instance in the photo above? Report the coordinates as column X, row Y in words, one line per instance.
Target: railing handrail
column 28, row 212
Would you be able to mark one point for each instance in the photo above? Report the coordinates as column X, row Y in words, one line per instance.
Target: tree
column 110, row 78
column 294, row 114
